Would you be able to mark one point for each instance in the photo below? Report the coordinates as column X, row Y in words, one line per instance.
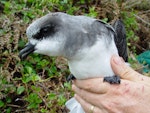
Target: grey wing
column 120, row 39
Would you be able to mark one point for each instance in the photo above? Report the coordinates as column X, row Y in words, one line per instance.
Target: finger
column 88, row 96
column 120, row 68
column 95, row 85
column 87, row 106
column 83, row 103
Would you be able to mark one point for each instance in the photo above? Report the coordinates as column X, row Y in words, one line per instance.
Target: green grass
column 39, row 82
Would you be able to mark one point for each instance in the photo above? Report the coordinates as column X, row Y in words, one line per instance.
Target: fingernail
column 73, row 81
column 118, row 60
column 73, row 87
column 75, row 95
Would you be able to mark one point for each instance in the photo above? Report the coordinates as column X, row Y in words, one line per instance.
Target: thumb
column 121, row 69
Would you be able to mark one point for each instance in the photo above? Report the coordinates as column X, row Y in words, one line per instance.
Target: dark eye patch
column 46, row 31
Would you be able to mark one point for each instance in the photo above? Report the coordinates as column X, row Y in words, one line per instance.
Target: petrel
column 86, row 43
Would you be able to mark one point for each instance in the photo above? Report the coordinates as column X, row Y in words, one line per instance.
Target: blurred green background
column 38, row 84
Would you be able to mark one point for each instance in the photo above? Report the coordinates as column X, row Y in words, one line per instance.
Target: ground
column 38, row 84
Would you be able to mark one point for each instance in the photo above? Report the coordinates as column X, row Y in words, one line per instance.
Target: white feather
column 88, row 62
column 97, row 61
column 94, row 61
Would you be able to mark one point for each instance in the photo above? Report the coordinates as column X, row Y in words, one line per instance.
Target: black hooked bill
column 29, row 48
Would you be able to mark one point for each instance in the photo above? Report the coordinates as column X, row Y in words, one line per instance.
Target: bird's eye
column 46, row 31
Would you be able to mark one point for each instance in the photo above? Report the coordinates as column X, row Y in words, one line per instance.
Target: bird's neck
column 93, row 62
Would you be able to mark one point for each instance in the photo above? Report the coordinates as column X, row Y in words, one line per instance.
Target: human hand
column 131, row 96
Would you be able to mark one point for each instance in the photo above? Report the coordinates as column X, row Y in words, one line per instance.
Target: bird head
column 60, row 34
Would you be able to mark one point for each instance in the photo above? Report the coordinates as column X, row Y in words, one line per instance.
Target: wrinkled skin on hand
column 131, row 96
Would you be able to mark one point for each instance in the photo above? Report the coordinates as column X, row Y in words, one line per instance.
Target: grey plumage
column 120, row 39
column 80, row 31
column 80, row 40
column 87, row 43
